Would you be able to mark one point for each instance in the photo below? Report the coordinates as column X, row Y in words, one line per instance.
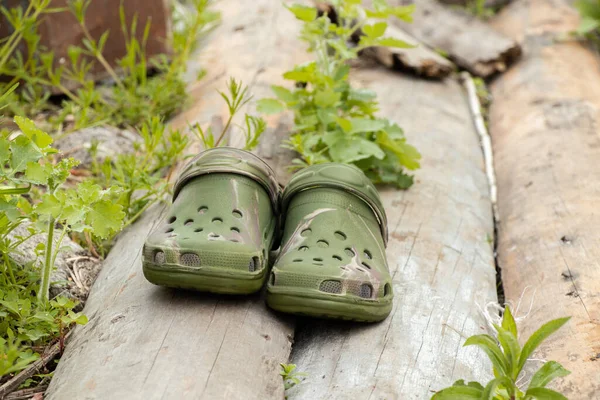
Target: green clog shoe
column 332, row 262
column 218, row 232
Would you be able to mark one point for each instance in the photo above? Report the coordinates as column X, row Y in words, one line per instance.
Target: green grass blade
column 547, row 373
column 508, row 322
column 538, row 337
column 490, row 347
column 543, row 394
column 512, row 350
column 458, row 393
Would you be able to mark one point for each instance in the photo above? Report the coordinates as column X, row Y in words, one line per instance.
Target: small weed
column 290, row 376
column 484, row 96
column 333, row 120
column 589, row 10
column 236, row 97
column 29, row 317
column 508, row 359
column 135, row 96
column 36, row 185
column 480, row 9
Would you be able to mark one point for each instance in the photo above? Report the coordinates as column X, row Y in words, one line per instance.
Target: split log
column 469, row 42
column 419, row 60
column 544, row 124
column 441, row 263
column 147, row 342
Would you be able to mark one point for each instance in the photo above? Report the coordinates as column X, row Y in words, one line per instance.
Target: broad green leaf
column 284, row 94
column 351, row 149
column 303, row 73
column 81, row 319
column 362, row 95
column 407, row 154
column 474, row 384
column 105, row 218
column 508, row 321
column 23, row 153
column 73, row 215
column 49, row 206
column 543, row 394
column 393, row 42
column 588, row 9
column 36, row 173
column 341, row 72
column 404, row 12
column 344, row 123
column 538, row 337
column 326, row 115
column 491, row 388
column 89, row 192
column 512, row 350
column 40, row 138
column 376, row 30
column 326, row 98
column 587, row 25
column 547, row 373
column 458, row 393
column 489, row 346
column 4, row 150
column 360, row 125
column 303, row 13
column 269, row 106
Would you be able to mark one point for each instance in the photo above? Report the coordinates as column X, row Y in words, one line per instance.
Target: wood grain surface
column 544, row 124
column 147, row 342
column 439, row 255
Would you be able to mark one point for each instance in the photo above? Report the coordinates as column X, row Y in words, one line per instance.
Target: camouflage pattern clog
column 332, row 262
column 218, row 232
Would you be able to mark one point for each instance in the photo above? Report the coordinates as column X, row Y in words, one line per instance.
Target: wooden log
column 469, row 42
column 419, row 60
column 146, row 342
column 544, row 123
column 441, row 262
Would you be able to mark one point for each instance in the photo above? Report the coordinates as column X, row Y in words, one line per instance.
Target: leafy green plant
column 333, row 120
column 135, row 181
column 479, row 8
column 135, row 97
column 508, row 359
column 589, row 10
column 290, row 376
column 28, row 316
column 236, row 97
column 25, row 162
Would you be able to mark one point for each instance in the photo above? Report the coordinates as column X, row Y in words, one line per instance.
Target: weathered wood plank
column 469, row 42
column 419, row 60
column 544, row 124
column 441, row 262
column 146, row 342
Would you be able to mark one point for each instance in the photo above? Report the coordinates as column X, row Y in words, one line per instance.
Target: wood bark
column 442, row 264
column 419, row 60
column 147, row 342
column 544, row 123
column 469, row 42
